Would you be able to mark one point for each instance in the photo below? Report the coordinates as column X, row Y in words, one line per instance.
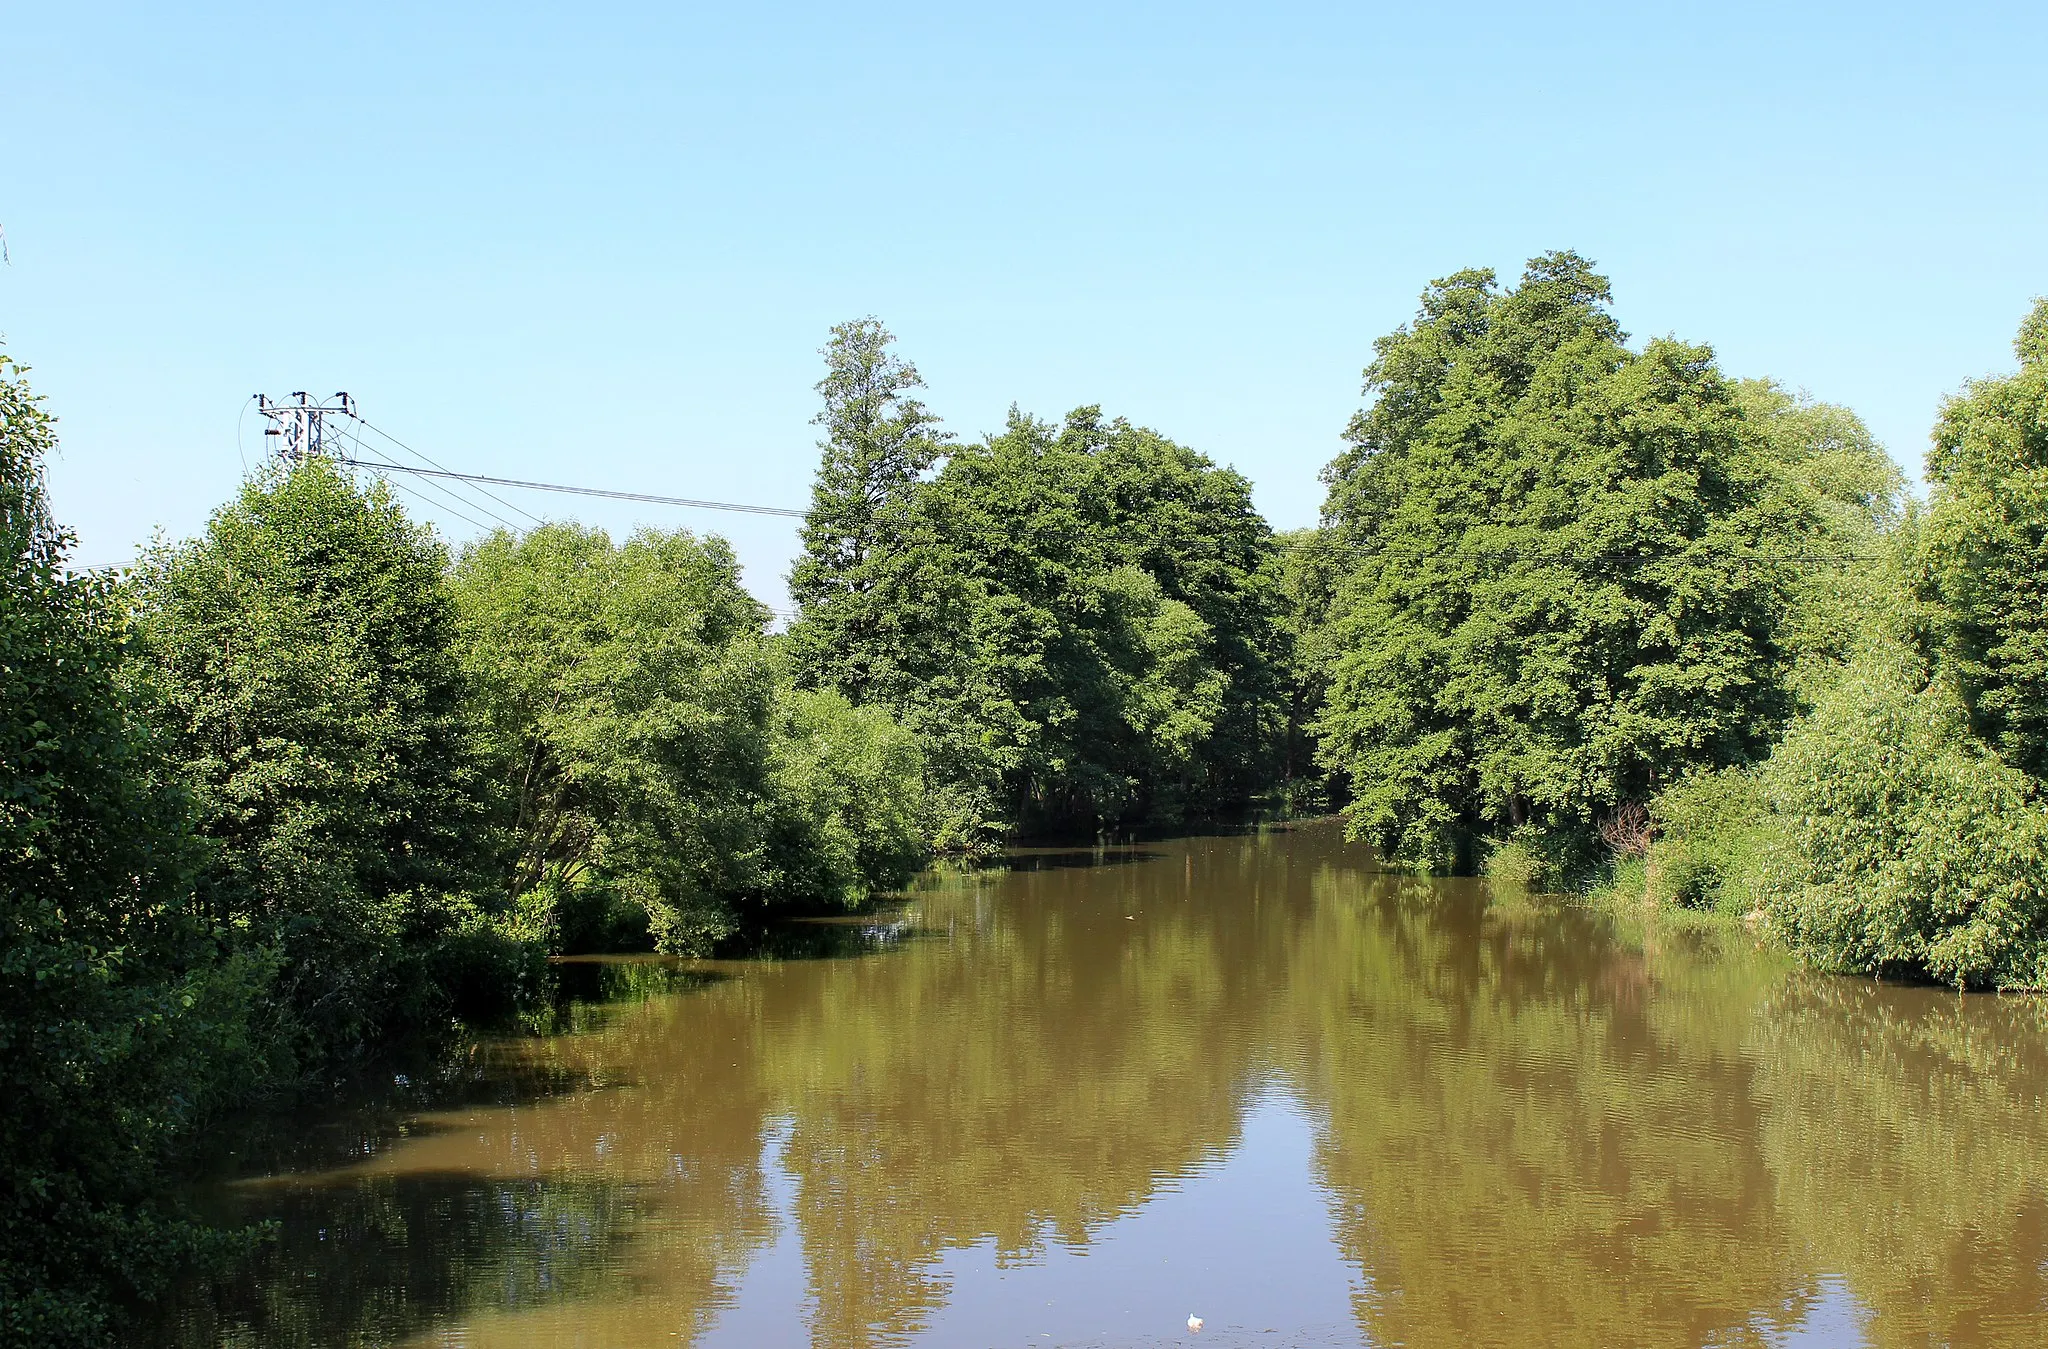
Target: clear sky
column 601, row 243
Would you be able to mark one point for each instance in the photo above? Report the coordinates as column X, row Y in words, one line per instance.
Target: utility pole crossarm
column 302, row 423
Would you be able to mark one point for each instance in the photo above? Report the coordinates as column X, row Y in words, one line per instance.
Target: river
column 1073, row 1100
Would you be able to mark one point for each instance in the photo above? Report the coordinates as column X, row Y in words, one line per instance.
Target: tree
column 627, row 697
column 301, row 657
column 1982, row 559
column 878, row 442
column 1306, row 575
column 655, row 771
column 1079, row 621
column 1551, row 609
column 1902, row 844
column 119, row 1019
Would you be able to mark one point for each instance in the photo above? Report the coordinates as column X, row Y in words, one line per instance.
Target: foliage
column 300, row 656
column 653, row 768
column 119, row 1021
column 1307, row 573
column 878, row 443
column 1982, row 560
column 1080, row 622
column 1708, row 841
column 1566, row 588
column 1514, row 866
column 1856, row 496
column 849, row 793
column 1900, row 843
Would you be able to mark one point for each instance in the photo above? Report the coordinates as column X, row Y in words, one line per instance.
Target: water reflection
column 1053, row 1103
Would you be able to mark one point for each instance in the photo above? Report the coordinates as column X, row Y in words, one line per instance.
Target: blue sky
column 602, row 243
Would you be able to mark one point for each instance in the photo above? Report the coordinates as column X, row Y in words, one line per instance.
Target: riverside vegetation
column 1584, row 615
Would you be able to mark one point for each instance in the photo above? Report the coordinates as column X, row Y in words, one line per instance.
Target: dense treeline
column 1578, row 612
column 304, row 788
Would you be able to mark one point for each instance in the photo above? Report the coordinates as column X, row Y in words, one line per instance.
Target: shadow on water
column 522, row 1244
column 420, row 1246
column 598, row 983
column 1057, row 859
column 837, row 938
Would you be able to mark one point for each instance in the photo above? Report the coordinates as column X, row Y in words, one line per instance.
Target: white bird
column 1194, row 1324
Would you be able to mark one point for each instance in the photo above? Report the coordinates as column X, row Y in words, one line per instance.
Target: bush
column 1706, row 849
column 1898, row 843
column 1514, row 866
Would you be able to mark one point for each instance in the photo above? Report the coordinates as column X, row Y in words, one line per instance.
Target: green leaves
column 1551, row 606
column 652, row 767
column 1080, row 622
column 119, row 1020
column 1901, row 844
column 1982, row 559
column 300, row 658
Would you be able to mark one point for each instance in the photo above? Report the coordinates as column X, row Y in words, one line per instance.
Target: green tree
column 119, row 1020
column 1307, row 572
column 1079, row 622
column 1856, row 495
column 1982, row 560
column 879, row 441
column 1898, row 843
column 301, row 656
column 849, row 799
column 655, row 771
column 1563, row 591
column 1083, row 629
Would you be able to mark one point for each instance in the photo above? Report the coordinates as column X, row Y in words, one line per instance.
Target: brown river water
column 1252, row 1078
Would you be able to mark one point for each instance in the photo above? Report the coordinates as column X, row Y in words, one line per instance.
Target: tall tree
column 1564, row 591
column 1082, row 627
column 1983, row 554
column 879, row 440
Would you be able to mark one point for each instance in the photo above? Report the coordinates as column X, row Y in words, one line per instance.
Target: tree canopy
column 301, row 659
column 1569, row 579
column 119, row 1019
column 1983, row 554
column 651, row 765
column 1079, row 620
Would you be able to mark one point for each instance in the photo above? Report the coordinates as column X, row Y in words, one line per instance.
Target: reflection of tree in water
column 1909, row 1149
column 1534, row 1128
column 1022, row 1084
column 521, row 1244
column 1524, row 1147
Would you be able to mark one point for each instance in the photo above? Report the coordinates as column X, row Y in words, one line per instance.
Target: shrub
column 1513, row 865
column 1706, row 841
column 1898, row 842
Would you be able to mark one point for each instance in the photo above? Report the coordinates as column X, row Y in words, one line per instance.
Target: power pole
column 303, row 424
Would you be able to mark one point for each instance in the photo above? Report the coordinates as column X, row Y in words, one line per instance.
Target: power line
column 421, row 455
column 437, row 506
column 580, row 491
column 389, row 463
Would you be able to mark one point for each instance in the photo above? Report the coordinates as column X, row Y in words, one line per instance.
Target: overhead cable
column 579, row 491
